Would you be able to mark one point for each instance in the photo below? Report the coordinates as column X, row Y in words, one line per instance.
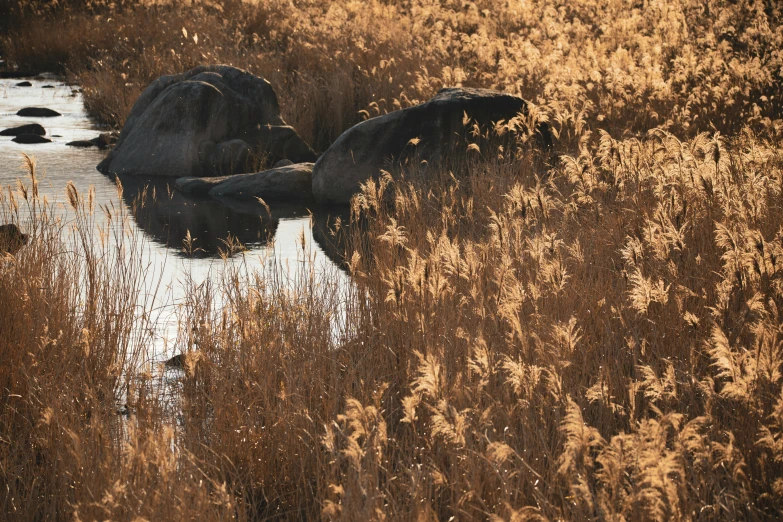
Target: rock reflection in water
column 332, row 238
column 167, row 216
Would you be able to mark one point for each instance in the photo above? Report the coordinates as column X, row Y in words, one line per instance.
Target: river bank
column 161, row 216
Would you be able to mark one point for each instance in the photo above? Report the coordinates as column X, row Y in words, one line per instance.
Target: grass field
column 594, row 333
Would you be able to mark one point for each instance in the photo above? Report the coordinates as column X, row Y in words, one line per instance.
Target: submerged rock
column 102, row 141
column 11, row 239
column 30, row 139
column 105, row 139
column 210, row 121
column 81, row 143
column 38, row 112
column 178, row 361
column 428, row 132
column 31, row 128
column 290, row 182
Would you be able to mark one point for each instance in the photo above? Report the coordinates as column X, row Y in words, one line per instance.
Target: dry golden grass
column 592, row 335
column 68, row 347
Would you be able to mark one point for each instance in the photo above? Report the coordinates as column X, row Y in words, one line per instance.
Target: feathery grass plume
column 644, row 291
column 576, row 461
column 658, row 389
column 360, row 434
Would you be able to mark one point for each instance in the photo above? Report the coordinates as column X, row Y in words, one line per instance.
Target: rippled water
column 166, row 216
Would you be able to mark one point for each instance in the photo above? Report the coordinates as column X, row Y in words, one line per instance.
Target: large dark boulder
column 32, row 128
column 37, row 112
column 210, row 121
column 431, row 132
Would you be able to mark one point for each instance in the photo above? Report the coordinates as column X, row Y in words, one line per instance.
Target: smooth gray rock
column 390, row 140
column 282, row 142
column 291, row 182
column 31, row 128
column 227, row 157
column 283, row 163
column 282, row 183
column 197, row 186
column 37, row 112
column 30, row 139
column 210, row 121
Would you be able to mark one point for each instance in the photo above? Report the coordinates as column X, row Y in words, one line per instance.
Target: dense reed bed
column 589, row 334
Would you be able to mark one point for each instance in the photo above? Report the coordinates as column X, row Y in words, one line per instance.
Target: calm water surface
column 166, row 216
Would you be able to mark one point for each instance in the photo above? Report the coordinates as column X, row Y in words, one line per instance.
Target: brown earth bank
column 588, row 334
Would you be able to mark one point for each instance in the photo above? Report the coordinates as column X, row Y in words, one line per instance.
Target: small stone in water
column 31, row 128
column 37, row 112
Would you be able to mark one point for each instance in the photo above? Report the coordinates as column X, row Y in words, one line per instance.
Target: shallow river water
column 165, row 219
